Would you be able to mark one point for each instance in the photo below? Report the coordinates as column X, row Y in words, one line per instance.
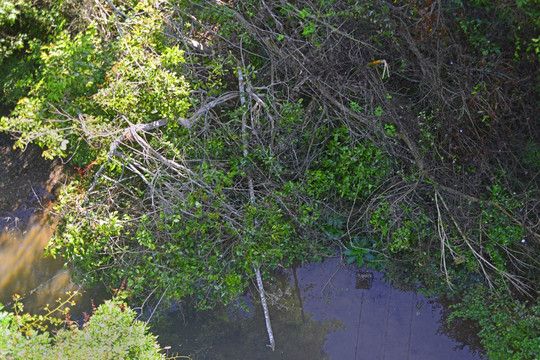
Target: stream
column 321, row 310
column 324, row 310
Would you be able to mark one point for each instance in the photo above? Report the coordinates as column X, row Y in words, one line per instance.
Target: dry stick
column 444, row 241
column 257, row 268
column 133, row 129
column 520, row 285
column 325, row 93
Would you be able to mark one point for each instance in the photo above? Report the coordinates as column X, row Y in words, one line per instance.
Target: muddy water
column 38, row 280
column 28, row 184
column 24, row 271
column 319, row 311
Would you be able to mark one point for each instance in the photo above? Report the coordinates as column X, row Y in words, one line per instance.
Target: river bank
column 321, row 310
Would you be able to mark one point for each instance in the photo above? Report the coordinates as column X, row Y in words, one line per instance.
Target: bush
column 509, row 328
column 111, row 333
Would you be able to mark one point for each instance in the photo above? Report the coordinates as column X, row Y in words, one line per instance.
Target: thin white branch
column 245, row 138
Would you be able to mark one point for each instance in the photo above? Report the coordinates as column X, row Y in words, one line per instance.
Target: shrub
column 111, row 333
column 509, row 328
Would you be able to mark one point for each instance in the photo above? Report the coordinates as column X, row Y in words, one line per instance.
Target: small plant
column 110, row 333
column 351, row 169
column 390, row 129
column 360, row 251
column 355, row 107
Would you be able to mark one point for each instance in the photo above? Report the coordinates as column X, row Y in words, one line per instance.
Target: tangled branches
column 374, row 126
column 445, row 116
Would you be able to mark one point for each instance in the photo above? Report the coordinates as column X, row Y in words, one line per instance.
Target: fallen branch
column 131, row 131
column 241, row 85
column 265, row 308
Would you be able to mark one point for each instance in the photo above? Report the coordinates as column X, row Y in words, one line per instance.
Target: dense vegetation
column 215, row 137
column 110, row 333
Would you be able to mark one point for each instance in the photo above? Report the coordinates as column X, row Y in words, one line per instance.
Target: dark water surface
column 318, row 312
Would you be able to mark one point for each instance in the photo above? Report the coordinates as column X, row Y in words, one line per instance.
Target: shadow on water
column 27, row 187
column 319, row 311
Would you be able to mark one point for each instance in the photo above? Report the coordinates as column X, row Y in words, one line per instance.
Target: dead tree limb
column 131, row 131
column 245, row 140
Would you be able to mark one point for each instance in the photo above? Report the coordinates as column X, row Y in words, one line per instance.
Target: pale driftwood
column 241, row 86
column 265, row 308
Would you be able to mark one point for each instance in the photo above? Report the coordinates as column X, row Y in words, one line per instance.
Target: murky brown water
column 27, row 187
column 38, row 280
column 24, row 271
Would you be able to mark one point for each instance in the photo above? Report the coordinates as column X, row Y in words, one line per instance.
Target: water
column 38, row 280
column 318, row 311
column 27, row 187
column 24, row 271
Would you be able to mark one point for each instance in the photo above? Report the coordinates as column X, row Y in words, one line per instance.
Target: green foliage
column 145, row 83
column 9, row 12
column 531, row 155
column 24, row 26
column 25, row 336
column 490, row 25
column 362, row 252
column 205, row 256
column 71, row 69
column 111, row 333
column 197, row 249
column 135, row 78
column 412, row 229
column 347, row 169
column 508, row 328
column 476, row 32
column 22, row 21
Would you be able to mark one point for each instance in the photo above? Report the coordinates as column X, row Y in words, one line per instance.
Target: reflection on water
column 24, row 270
column 234, row 333
column 318, row 311
column 38, row 280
